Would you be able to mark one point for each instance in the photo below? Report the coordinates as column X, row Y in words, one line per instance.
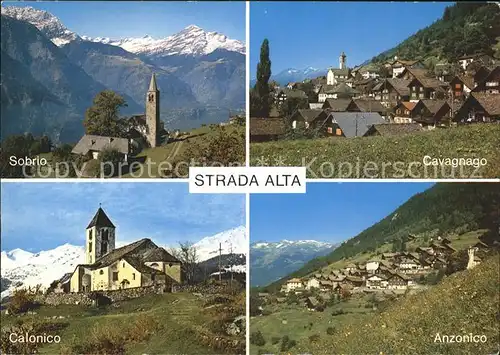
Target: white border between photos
column 247, row 163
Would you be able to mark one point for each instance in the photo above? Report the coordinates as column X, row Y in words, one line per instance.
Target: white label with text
column 247, row 180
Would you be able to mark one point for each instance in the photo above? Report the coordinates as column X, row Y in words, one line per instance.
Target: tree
column 103, row 117
column 109, row 159
column 291, row 105
column 188, row 256
column 262, row 104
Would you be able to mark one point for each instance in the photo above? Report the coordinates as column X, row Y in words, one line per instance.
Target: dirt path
column 175, row 150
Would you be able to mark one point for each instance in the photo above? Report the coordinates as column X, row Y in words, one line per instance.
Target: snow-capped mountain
column 47, row 23
column 270, row 261
column 192, row 41
column 233, row 241
column 292, row 75
column 24, row 269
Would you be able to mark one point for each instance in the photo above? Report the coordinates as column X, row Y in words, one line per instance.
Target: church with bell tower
column 100, row 237
column 138, row 264
column 153, row 113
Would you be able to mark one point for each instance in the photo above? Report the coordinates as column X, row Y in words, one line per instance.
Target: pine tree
column 262, row 98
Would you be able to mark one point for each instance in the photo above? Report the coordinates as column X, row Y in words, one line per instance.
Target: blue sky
column 330, row 212
column 303, row 34
column 117, row 19
column 41, row 216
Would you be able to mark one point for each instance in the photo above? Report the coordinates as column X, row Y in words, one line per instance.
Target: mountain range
column 270, row 261
column 444, row 209
column 51, row 74
column 20, row 268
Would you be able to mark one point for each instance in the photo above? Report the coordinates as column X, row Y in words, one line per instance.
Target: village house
column 312, row 303
column 376, row 281
column 93, row 146
column 391, row 91
column 430, row 113
column 139, row 264
column 294, row 284
column 422, row 86
column 351, row 124
column 307, row 118
column 403, row 112
column 409, row 266
column 266, row 129
column 491, row 83
column 338, row 91
column 286, row 93
column 398, row 66
column 398, row 281
column 461, row 86
column 337, row 105
column 372, row 266
column 479, row 107
column 479, row 74
column 312, row 282
column 466, row 60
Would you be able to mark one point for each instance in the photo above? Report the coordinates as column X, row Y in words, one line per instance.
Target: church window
column 115, row 276
column 90, row 246
column 133, row 276
column 105, row 235
column 170, row 265
column 153, row 277
column 90, row 234
column 123, row 264
column 101, row 272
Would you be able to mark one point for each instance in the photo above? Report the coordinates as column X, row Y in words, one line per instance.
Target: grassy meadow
column 172, row 323
column 330, row 157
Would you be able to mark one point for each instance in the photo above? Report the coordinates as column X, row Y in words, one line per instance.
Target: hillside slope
column 465, row 28
column 464, row 303
column 445, row 208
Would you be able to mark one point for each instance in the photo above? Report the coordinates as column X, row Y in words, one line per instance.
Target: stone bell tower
column 342, row 61
column 100, row 237
column 153, row 114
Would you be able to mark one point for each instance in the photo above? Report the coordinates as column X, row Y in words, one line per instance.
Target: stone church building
column 144, row 130
column 106, row 267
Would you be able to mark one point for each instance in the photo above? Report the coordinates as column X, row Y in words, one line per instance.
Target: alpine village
column 419, row 272
column 428, row 86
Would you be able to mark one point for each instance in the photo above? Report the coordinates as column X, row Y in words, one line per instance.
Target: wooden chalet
column 461, row 86
column 308, row 118
column 391, row 91
column 429, row 112
column 422, row 86
column 479, row 107
column 266, row 129
column 403, row 112
column 491, row 83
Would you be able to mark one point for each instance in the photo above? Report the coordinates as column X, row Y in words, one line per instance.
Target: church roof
column 100, row 220
column 152, row 84
column 119, row 253
column 159, row 254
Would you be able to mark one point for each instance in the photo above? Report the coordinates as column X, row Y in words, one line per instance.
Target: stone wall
column 55, row 299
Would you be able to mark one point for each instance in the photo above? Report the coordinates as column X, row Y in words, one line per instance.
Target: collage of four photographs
column 392, row 108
